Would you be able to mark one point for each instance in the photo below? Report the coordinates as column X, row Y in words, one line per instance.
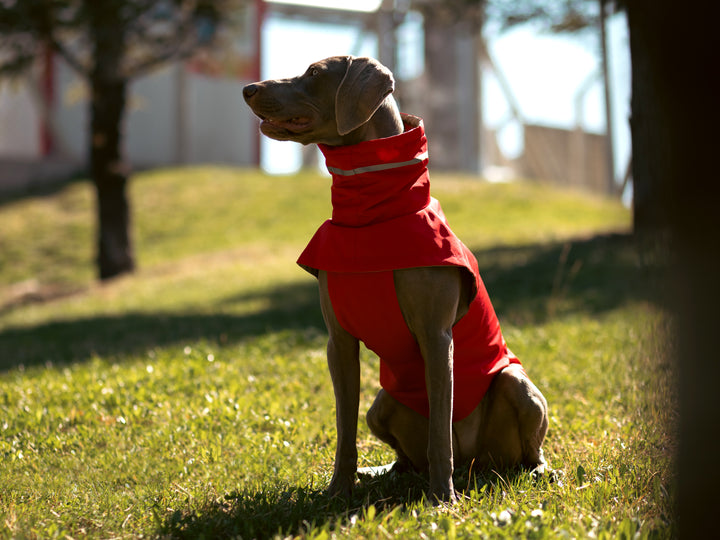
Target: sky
column 545, row 71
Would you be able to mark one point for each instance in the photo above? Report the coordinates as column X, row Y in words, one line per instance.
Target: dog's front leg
column 430, row 300
column 344, row 367
column 344, row 364
column 437, row 350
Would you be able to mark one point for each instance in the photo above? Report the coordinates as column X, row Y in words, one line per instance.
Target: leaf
column 580, row 474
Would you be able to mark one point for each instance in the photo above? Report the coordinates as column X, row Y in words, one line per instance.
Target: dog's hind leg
column 403, row 429
column 515, row 422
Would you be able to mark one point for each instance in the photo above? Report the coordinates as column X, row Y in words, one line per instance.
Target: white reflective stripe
column 380, row 167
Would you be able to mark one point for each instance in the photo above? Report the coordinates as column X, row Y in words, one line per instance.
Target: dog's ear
column 365, row 85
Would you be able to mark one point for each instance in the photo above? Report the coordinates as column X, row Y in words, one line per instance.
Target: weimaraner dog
column 345, row 105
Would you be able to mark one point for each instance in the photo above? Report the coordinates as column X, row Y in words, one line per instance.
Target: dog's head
column 333, row 98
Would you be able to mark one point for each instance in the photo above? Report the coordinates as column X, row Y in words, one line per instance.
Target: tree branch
column 174, row 51
column 73, row 61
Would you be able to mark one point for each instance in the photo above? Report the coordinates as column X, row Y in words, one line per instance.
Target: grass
column 192, row 399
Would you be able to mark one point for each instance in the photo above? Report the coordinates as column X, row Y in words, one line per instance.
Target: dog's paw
column 543, row 472
column 442, row 495
column 540, row 470
column 341, row 486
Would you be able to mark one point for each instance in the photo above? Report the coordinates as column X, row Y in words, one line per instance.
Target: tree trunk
column 674, row 147
column 110, row 176
column 108, row 169
column 650, row 140
column 451, row 78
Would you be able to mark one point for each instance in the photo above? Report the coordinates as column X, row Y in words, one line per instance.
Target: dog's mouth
column 293, row 125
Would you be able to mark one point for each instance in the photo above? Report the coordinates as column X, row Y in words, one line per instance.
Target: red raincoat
column 384, row 219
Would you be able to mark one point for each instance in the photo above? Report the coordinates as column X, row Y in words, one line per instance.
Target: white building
column 186, row 112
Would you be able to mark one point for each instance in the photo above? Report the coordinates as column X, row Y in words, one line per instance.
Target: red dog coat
column 384, row 219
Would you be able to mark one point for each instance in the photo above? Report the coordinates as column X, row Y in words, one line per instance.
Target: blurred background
column 502, row 101
column 536, row 91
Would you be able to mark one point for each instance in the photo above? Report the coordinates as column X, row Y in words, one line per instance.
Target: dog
column 392, row 274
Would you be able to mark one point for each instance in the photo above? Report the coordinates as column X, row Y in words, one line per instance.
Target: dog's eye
column 314, row 71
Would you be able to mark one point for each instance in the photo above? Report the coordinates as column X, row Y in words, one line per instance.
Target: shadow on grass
column 528, row 285
column 42, row 188
column 293, row 306
column 532, row 284
column 284, row 511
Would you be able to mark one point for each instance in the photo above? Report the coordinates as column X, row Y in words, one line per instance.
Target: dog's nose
column 250, row 90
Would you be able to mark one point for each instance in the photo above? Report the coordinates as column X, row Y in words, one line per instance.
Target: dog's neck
column 386, row 122
column 379, row 179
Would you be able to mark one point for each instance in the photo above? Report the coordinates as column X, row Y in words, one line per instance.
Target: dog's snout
column 250, row 90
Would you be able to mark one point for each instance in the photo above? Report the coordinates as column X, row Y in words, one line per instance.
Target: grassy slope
column 192, row 398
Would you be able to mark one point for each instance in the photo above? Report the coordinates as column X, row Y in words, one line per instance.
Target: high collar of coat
column 381, row 179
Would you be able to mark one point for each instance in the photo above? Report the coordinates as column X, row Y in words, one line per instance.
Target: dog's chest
column 366, row 305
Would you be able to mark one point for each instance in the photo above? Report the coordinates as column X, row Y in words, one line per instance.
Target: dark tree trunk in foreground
column 651, row 141
column 674, row 135
column 108, row 168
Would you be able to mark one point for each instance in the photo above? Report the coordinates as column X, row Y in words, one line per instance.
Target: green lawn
column 192, row 399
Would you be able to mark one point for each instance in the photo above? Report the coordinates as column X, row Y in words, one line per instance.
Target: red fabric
column 384, row 219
